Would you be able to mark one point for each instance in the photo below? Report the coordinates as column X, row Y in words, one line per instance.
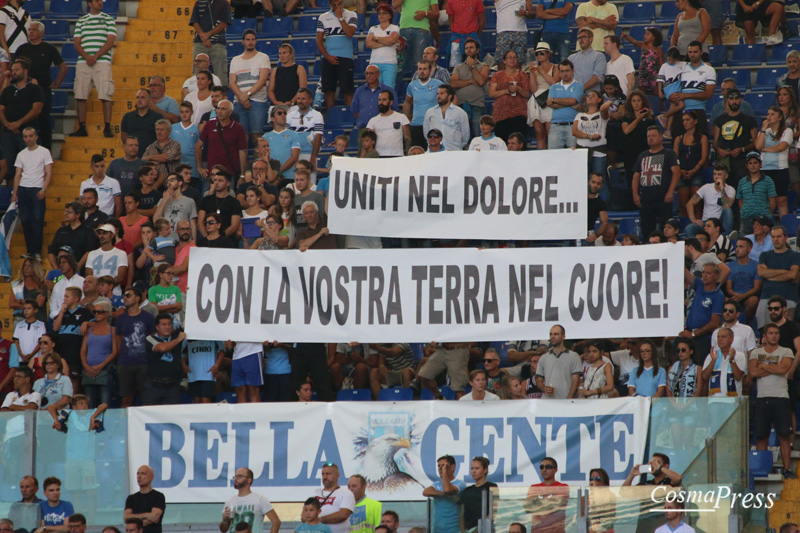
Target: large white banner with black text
column 422, row 295
column 194, row 450
column 538, row 195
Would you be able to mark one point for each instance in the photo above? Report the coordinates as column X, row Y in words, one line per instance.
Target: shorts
column 80, row 474
column 714, row 9
column 773, row 412
column 698, row 180
column 454, row 361
column 203, row 389
column 99, row 76
column 131, row 379
column 341, row 74
column 781, row 179
column 248, row 371
column 394, row 378
column 759, row 15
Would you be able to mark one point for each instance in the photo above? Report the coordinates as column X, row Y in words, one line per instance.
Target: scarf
column 715, row 385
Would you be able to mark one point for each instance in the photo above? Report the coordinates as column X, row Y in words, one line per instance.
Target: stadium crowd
column 239, row 163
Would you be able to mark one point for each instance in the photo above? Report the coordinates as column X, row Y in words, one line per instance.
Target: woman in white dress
column 542, row 75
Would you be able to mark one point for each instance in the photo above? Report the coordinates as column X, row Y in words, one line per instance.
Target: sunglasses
column 596, row 478
column 279, row 113
column 99, row 312
column 542, row 53
column 774, row 308
column 546, row 467
column 683, row 350
column 210, row 222
column 729, row 310
column 491, row 361
column 50, row 363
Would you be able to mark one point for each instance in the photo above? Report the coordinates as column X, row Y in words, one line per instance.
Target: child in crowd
column 651, row 60
column 340, row 145
column 310, row 518
column 55, row 511
column 487, row 141
column 162, row 247
column 105, row 289
column 26, row 336
column 669, row 81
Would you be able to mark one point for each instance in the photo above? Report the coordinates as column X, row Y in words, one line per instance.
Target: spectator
column 132, row 328
column 421, row 95
column 391, row 127
column 382, row 39
column 304, row 191
column 99, row 350
column 792, row 76
column 185, row 244
column 310, row 514
column 774, row 141
column 226, row 140
column 218, row 94
column 744, row 283
column 26, row 513
column 366, row 99
column 637, row 117
column 697, row 254
column 770, row 14
column 141, row 122
column 367, row 512
column 248, row 79
column 619, row 64
column 477, row 380
column 762, row 241
column 609, row 236
column 543, row 75
column 214, row 237
column 308, row 124
column 164, row 365
column 315, row 234
column 674, row 520
column 201, row 62
column 445, row 493
column 589, row 129
column 601, row 17
column 589, row 64
column 725, row 364
column 756, row 194
column 510, row 89
column 21, row 104
column 310, row 364
column 697, row 84
column 29, row 284
column 148, row 505
column 253, row 217
column 161, row 103
column 562, row 97
column 287, row 78
column 264, row 173
column 175, row 207
column 55, row 511
column 108, row 260
column 705, row 312
column 271, row 237
column 201, row 362
column 68, row 325
column 70, row 278
column 210, row 19
column 54, row 388
column 651, row 58
column 721, row 107
column 431, row 55
column 559, row 369
column 124, row 169
column 284, row 142
column 487, row 139
column 466, row 20
column 26, row 337
column 164, row 152
column 597, row 380
column 659, row 472
column 448, row 118
column 734, row 136
column 34, row 169
column 550, row 516
column 719, row 244
column 693, row 23
column 516, row 142
column 94, row 37
column 395, row 367
column 418, row 18
column 41, row 56
column 335, row 29
column 149, row 195
column 338, row 504
column 597, row 209
column 469, row 79
column 247, row 507
column 201, row 100
column 390, row 520
column 744, row 339
column 692, row 150
column 471, row 498
column 555, row 28
column 186, row 134
column 778, row 268
column 682, row 378
column 655, row 177
column 23, row 398
column 452, row 357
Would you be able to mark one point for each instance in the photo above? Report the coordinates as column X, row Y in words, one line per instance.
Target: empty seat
column 229, row 397
column 35, row 8
column 717, row 55
column 237, row 27
column 69, row 79
column 639, row 12
column 779, row 52
column 491, row 19
column 714, row 100
column 791, row 221
column 488, row 42
column 69, row 54
column 760, row 464
column 748, row 55
column 447, row 392
column 328, row 136
column 56, row 30
column 396, row 394
column 59, row 104
column 669, row 11
column 767, row 78
column 354, row 395
column 740, row 76
column 322, row 161
column 305, row 49
column 760, row 101
column 234, row 48
column 629, row 225
column 276, row 27
column 637, row 32
column 65, row 9
column 306, row 26
column 340, row 117
column 110, row 7
column 270, row 48
column 359, row 67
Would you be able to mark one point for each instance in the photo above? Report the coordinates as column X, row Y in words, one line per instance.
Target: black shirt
column 655, row 174
column 143, row 128
column 41, row 56
column 18, row 102
column 165, row 365
column 734, row 132
column 220, row 242
column 594, row 207
column 149, row 200
column 194, row 194
column 94, row 220
column 145, row 503
column 225, row 207
column 471, row 500
column 69, row 338
column 81, row 239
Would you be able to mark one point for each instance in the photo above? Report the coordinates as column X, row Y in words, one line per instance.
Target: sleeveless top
column 690, row 30
column 595, row 378
column 689, row 155
column 98, row 347
column 542, row 84
column 286, row 83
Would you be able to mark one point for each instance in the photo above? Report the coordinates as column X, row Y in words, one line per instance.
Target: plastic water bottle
column 455, row 53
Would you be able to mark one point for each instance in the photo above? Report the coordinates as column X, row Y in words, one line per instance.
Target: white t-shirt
column 333, row 502
column 308, row 126
column 741, row 361
column 32, row 163
column 507, row 19
column 626, row 363
column 191, row 83
column 28, row 335
column 599, row 242
column 107, row 263
column 249, row 509
column 710, row 197
column 489, row 396
column 744, row 339
column 243, row 349
column 13, row 398
column 106, row 191
column 682, row 528
column 199, row 107
column 247, row 72
column 11, row 26
column 592, row 124
column 385, row 54
column 389, row 130
column 491, row 144
column 620, row 68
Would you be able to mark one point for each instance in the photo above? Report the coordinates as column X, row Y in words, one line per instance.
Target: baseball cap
column 67, row 249
column 751, row 155
column 764, row 221
column 106, row 227
column 281, row 107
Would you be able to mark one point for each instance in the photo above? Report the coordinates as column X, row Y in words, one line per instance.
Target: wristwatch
column 248, row 93
column 341, row 19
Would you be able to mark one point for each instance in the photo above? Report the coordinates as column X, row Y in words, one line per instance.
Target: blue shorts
column 248, row 371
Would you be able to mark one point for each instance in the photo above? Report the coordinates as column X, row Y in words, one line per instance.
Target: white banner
column 447, row 295
column 194, row 450
column 539, row 195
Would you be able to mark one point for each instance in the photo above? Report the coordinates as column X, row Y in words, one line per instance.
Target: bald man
column 365, row 99
column 148, row 504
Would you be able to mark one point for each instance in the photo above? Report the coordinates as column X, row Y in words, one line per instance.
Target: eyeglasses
column 127, row 295
column 773, row 308
column 434, row 136
column 683, row 350
column 645, row 350
column 546, row 467
column 596, row 478
column 210, row 222
column 51, row 362
column 279, row 113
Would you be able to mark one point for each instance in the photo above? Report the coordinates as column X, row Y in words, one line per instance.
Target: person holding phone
column 659, row 471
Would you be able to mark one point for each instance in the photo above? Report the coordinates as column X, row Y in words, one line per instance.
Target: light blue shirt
column 446, row 509
column 647, row 384
column 278, row 361
column 202, row 355
column 169, row 104
column 758, row 249
column 424, row 98
column 587, row 64
column 186, row 137
column 559, row 90
column 454, row 125
column 280, row 147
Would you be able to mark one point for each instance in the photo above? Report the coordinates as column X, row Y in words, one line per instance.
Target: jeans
column 559, row 44
column 31, row 214
column 475, row 113
column 417, row 40
column 252, row 120
column 158, row 394
column 218, row 54
column 727, row 224
column 388, row 72
column 560, row 136
column 98, row 394
column 461, row 38
column 11, row 144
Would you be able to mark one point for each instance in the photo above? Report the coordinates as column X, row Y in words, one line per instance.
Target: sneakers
column 667, row 135
column 788, row 474
column 662, row 120
column 80, row 132
column 107, row 132
column 775, row 38
column 38, row 257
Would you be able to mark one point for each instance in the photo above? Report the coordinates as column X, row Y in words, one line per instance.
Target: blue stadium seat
column 447, row 392
column 353, row 145
column 276, row 27
column 669, row 10
column 740, row 76
column 717, row 55
column 748, row 55
column 305, row 49
column 322, row 161
column 235, row 30
column 642, row 12
column 417, row 348
column 270, row 48
column 401, row 88
column 69, row 54
column 69, row 79
column 488, row 42
column 110, row 7
column 306, row 26
column 629, row 225
column 714, row 100
column 779, row 52
column 396, row 394
column 235, row 48
column 791, row 222
column 340, row 117
column 56, row 30
column 760, row 464
column 229, row 397
column 634, row 53
column 637, row 32
column 360, row 65
column 65, row 9
column 59, row 104
column 322, row 7
column 35, row 8
column 760, row 102
column 766, row 78
column 354, row 395
column 491, row 19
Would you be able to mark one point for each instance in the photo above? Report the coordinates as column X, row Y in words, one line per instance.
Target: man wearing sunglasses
column 744, row 338
column 284, row 143
column 547, row 501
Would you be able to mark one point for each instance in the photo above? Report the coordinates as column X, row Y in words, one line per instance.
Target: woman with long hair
column 472, row 496
column 510, row 89
column 511, row 388
column 253, row 213
column 598, row 377
column 637, row 117
column 693, row 23
column 55, row 387
column 692, row 148
column 286, row 210
column 774, row 141
column 589, row 128
column 648, row 379
column 133, row 220
column 682, row 379
column 602, row 504
column 29, row 284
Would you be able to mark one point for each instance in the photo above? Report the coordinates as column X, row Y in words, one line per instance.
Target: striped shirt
column 755, row 196
column 93, row 31
column 404, row 360
column 337, row 43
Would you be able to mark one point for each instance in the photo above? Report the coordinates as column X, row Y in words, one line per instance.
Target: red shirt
column 180, row 257
column 5, row 356
column 235, row 140
column 465, row 15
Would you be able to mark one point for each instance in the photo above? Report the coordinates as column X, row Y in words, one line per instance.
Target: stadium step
column 174, row 11
column 166, row 35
